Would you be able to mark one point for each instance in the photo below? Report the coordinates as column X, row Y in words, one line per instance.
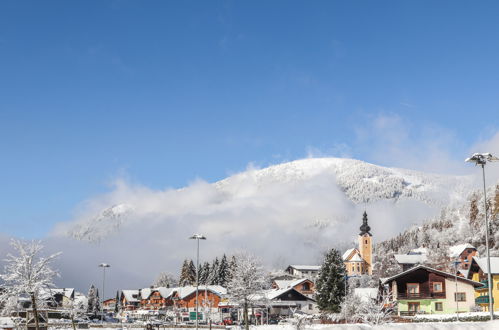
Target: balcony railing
column 482, row 300
column 485, row 285
column 421, row 295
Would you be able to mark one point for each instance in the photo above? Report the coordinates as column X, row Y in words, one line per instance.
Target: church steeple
column 365, row 229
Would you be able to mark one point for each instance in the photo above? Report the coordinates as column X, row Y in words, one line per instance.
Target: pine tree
column 192, row 273
column 232, row 267
column 214, row 272
column 204, row 274
column 93, row 301
column 185, row 274
column 117, row 304
column 330, row 283
column 223, row 272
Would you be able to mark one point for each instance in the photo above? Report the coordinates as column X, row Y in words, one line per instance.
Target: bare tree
column 166, row 280
column 248, row 280
column 376, row 311
column 27, row 273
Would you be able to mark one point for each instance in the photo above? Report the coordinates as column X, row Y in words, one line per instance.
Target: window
column 366, row 241
column 497, row 286
column 310, row 307
column 305, row 287
column 460, row 296
column 413, row 307
column 412, row 288
column 439, row 307
column 437, row 287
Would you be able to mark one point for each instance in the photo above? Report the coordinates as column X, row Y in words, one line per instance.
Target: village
column 417, row 292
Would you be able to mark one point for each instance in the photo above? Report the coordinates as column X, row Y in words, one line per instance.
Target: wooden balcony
column 420, row 295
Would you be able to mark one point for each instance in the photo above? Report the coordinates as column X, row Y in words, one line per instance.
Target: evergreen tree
column 192, row 273
column 204, row 273
column 185, row 274
column 223, row 272
column 93, row 301
column 214, row 272
column 232, row 267
column 330, row 283
column 117, row 304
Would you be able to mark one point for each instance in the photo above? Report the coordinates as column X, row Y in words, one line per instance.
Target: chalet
column 156, row 298
column 62, row 298
column 478, row 271
column 358, row 261
column 284, row 302
column 426, row 290
column 109, row 305
column 130, row 300
column 304, row 286
column 209, row 298
column 303, row 271
column 463, row 253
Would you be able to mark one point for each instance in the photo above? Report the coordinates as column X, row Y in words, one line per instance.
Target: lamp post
column 197, row 237
column 103, row 266
column 482, row 159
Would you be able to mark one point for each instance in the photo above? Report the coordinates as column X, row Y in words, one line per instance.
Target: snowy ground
column 489, row 325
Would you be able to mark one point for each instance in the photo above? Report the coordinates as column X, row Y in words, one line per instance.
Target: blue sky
column 164, row 92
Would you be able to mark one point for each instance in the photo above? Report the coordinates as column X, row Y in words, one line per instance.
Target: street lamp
column 104, row 266
column 197, row 237
column 482, row 159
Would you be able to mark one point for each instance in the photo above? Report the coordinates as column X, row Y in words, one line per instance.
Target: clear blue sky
column 170, row 91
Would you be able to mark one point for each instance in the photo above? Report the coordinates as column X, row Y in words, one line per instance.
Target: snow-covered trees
column 248, row 280
column 166, row 280
column 330, row 283
column 223, row 272
column 27, row 274
column 93, row 307
column 187, row 273
column 376, row 311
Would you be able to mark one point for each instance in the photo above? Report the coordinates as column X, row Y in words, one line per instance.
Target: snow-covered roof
column 165, row 292
column 456, row 250
column 366, row 293
column 305, row 267
column 67, row 292
column 282, row 284
column 7, row 322
column 356, row 258
column 347, row 253
column 145, row 293
column 465, row 272
column 186, row 291
column 494, row 264
column 433, row 271
column 410, row 258
column 276, row 293
column 131, row 295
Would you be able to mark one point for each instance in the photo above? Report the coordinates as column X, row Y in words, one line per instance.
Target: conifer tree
column 330, row 283
column 223, row 272
column 192, row 273
column 93, row 301
column 204, row 274
column 117, row 304
column 214, row 272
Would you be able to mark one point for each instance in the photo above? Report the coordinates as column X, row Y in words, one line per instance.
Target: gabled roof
column 305, row 267
column 67, row 292
column 347, row 253
column 432, row 270
column 482, row 263
column 274, row 294
column 131, row 295
column 410, row 259
column 186, row 291
column 282, row 284
column 456, row 250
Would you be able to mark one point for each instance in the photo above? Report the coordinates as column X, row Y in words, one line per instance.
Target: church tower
column 365, row 244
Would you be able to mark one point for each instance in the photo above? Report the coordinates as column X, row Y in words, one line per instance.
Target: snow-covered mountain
column 358, row 182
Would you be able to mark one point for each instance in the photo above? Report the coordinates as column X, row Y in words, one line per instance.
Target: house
column 109, row 305
column 283, row 302
column 413, row 258
column 478, row 271
column 358, row 261
column 422, row 289
column 209, row 298
column 130, row 300
column 303, row 271
column 463, row 253
column 62, row 298
column 303, row 285
column 156, row 298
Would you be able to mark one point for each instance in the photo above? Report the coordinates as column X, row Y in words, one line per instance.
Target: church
column 358, row 261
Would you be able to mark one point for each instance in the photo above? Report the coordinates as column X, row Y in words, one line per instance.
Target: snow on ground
column 489, row 325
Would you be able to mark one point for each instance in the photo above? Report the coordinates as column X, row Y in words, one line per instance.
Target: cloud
column 391, row 140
